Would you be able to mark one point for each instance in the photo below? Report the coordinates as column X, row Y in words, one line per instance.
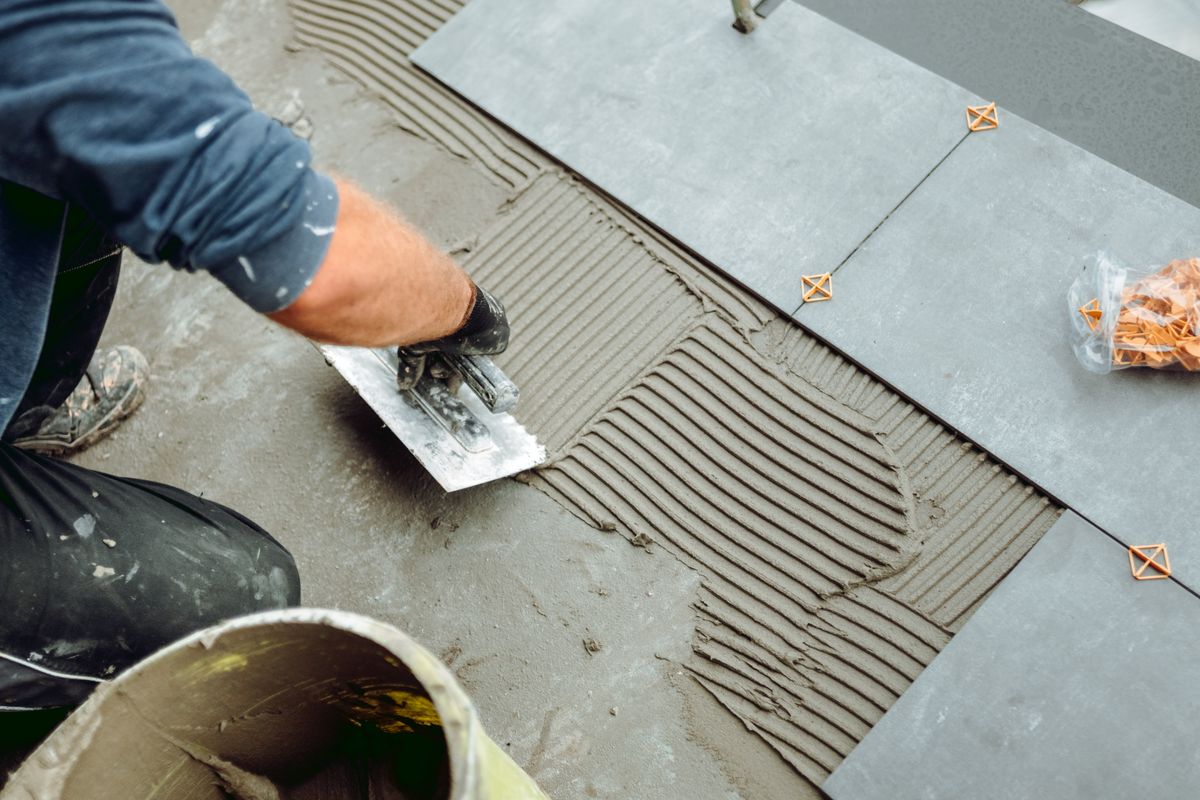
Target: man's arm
column 104, row 105
column 381, row 282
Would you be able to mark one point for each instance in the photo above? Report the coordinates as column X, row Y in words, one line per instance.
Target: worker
column 115, row 135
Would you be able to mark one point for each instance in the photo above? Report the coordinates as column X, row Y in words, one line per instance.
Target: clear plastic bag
column 1123, row 318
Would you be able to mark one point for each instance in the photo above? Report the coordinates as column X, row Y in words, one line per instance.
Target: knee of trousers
column 96, row 604
column 198, row 575
column 108, row 624
column 101, row 571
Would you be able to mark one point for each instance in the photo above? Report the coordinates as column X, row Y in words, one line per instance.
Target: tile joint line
column 1172, row 577
column 895, row 208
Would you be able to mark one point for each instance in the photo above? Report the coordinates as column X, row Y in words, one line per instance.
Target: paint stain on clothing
column 85, row 526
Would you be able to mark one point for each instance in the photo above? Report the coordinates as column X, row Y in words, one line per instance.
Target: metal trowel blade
column 507, row 448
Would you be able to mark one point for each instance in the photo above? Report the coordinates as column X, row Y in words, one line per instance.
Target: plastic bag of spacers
column 1123, row 318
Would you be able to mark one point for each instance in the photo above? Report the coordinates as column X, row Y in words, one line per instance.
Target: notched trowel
column 451, row 411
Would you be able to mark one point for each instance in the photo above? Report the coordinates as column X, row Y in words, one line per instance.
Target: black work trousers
column 98, row 571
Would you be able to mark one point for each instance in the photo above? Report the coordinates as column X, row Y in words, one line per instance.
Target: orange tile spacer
column 983, row 118
column 816, row 288
column 1091, row 313
column 1149, row 554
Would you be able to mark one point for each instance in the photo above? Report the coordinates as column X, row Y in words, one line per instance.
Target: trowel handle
column 494, row 388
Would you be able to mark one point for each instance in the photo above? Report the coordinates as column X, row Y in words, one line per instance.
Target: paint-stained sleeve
column 103, row 104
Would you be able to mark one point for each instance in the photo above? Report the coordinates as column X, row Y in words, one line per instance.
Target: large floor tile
column 959, row 301
column 772, row 155
column 1071, row 681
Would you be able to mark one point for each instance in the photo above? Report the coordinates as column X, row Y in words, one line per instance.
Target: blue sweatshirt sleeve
column 103, row 104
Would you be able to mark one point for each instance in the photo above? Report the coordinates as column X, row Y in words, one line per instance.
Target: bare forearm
column 381, row 283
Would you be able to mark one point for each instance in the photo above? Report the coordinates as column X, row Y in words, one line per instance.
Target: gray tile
column 771, row 155
column 1071, row 681
column 959, row 302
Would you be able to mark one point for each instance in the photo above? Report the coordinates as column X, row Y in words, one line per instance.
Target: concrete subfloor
column 500, row 581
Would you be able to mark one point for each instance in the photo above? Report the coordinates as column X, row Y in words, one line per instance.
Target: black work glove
column 485, row 332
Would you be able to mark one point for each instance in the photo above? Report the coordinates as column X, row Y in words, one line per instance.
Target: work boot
column 111, row 389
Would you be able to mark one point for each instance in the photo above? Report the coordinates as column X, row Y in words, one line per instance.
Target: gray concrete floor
column 500, row 581
column 1120, row 96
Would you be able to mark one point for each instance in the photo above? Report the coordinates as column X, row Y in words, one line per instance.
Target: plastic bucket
column 298, row 704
